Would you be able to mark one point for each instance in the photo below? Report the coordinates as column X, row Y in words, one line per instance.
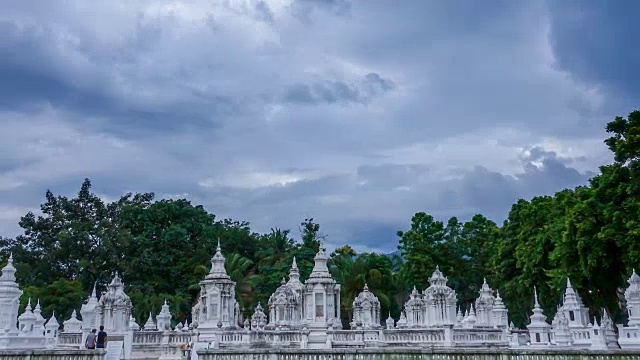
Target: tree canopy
column 163, row 247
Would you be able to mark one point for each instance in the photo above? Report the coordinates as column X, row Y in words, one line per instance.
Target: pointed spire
column 390, row 322
column 163, row 319
column 133, row 325
column 498, row 304
column 320, row 269
column 294, row 274
column 634, row 277
column 116, row 282
column 572, row 301
column 52, row 323
column 538, row 319
column 437, row 278
column 73, row 325
column 218, row 270
column 150, row 324
column 631, row 295
column 9, row 273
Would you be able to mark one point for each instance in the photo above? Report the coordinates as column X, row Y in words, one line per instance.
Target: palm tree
column 275, row 246
column 241, row 271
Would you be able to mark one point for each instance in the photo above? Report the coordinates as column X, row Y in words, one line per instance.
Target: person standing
column 101, row 339
column 90, row 341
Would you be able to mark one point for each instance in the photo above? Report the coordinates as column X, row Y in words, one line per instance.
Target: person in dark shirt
column 101, row 339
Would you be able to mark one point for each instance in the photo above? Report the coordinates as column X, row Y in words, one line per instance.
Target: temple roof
column 438, row 285
column 283, row 294
column 8, row 277
column 115, row 294
column 320, row 270
column 366, row 296
column 218, row 270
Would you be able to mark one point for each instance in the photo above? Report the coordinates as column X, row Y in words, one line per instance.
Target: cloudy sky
column 357, row 113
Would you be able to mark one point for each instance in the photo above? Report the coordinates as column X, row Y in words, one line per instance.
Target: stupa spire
column 320, row 269
column 217, row 265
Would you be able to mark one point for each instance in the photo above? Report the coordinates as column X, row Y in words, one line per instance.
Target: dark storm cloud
column 28, row 80
column 597, row 41
column 331, row 92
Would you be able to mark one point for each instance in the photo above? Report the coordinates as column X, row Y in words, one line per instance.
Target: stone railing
column 346, row 336
column 233, row 337
column 629, row 332
column 484, row 337
column 26, row 342
column 629, row 337
column 284, row 338
column 139, row 338
column 413, row 354
column 420, row 337
column 70, row 339
column 147, row 337
column 581, row 337
column 177, row 337
column 52, row 354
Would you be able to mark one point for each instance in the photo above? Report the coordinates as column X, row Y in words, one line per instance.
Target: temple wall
column 412, row 354
column 52, row 354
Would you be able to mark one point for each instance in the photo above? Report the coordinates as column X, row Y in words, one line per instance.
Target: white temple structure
column 435, row 307
column 89, row 313
column 9, row 299
column 285, row 308
column 27, row 331
column 574, row 310
column 539, row 329
column 114, row 307
column 366, row 311
column 163, row 319
column 629, row 336
column 307, row 315
column 321, row 296
column 217, row 307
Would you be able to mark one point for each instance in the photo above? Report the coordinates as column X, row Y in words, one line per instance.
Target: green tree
column 306, row 251
column 419, row 247
column 73, row 239
column 476, row 240
column 275, row 254
column 60, row 297
column 352, row 272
